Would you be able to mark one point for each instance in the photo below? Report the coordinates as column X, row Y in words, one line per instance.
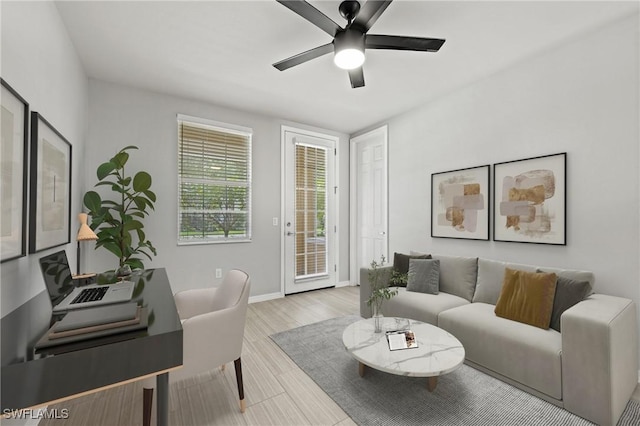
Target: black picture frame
column 530, row 202
column 461, row 203
column 14, row 171
column 50, row 186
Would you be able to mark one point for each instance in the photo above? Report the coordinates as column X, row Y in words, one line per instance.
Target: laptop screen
column 57, row 276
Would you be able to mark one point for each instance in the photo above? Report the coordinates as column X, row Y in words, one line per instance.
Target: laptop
column 65, row 295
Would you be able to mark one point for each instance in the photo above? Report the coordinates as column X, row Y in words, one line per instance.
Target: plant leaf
column 141, row 182
column 105, row 169
column 150, row 195
column 113, row 248
column 105, row 182
column 92, row 201
column 135, row 263
column 132, row 224
column 120, row 159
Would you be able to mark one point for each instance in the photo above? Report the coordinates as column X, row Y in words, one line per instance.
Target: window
column 311, row 207
column 214, row 181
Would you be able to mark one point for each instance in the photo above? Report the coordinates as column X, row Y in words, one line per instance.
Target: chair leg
column 238, row 365
column 147, row 404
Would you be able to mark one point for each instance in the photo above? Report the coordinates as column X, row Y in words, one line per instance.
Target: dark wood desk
column 31, row 380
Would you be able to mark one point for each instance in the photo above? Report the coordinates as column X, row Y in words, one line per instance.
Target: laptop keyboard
column 90, row 295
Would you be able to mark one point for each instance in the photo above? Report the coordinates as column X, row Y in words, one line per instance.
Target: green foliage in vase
column 398, row 279
column 380, row 291
column 118, row 222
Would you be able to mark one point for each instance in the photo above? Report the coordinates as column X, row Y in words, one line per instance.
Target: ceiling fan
column 350, row 42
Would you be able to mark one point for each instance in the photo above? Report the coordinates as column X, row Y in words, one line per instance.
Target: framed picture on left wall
column 14, row 130
column 50, row 188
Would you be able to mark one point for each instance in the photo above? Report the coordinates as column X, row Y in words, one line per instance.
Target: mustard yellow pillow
column 527, row 297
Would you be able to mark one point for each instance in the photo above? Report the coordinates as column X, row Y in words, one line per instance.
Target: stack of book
column 93, row 323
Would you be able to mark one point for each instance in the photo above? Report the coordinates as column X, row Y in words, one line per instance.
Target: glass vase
column 377, row 316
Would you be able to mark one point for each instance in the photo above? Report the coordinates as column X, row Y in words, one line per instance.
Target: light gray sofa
column 590, row 368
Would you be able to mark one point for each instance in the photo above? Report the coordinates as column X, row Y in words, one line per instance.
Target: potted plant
column 118, row 221
column 380, row 292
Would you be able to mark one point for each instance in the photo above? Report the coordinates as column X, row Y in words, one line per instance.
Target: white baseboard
column 344, row 284
column 265, row 297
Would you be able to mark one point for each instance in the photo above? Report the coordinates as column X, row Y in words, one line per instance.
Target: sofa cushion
column 490, row 277
column 568, row 293
column 572, row 275
column 527, row 297
column 458, row 275
column 424, row 276
column 401, row 264
column 420, row 306
column 525, row 354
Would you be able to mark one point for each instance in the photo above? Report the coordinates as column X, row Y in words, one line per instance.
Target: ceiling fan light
column 349, row 58
column 349, row 49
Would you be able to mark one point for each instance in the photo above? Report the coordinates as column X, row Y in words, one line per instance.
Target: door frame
column 353, row 199
column 334, row 246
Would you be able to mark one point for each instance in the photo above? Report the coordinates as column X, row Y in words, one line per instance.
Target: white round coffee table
column 438, row 351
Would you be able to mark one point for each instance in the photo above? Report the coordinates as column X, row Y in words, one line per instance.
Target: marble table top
column 438, row 351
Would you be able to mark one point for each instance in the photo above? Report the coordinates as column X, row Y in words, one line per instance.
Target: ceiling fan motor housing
column 349, row 39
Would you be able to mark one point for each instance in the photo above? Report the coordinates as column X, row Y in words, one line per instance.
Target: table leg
column 162, row 384
column 361, row 369
column 432, row 382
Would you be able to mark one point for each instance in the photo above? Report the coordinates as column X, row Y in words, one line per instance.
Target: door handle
column 289, row 234
column 383, row 233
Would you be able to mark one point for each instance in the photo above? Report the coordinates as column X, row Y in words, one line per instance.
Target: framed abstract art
column 13, row 168
column 460, row 203
column 50, row 187
column 530, row 200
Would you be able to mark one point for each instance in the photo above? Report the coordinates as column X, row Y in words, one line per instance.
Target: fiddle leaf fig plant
column 118, row 221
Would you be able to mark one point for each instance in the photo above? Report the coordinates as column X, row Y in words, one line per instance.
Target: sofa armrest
column 365, row 287
column 599, row 357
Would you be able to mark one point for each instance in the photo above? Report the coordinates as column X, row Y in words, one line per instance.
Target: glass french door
column 309, row 212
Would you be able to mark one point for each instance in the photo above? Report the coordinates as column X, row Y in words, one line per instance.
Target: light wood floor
column 277, row 392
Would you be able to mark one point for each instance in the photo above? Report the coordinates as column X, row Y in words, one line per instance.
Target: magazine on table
column 401, row 339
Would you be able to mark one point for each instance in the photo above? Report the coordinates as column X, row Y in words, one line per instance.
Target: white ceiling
column 221, row 52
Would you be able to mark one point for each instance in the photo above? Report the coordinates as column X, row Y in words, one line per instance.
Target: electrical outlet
column 218, row 273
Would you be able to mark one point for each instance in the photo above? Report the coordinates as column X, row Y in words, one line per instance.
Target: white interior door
column 309, row 210
column 369, row 223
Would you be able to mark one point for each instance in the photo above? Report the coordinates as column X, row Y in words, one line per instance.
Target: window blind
column 214, row 174
column 311, row 206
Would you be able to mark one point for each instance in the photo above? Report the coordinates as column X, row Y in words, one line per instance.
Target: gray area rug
column 463, row 397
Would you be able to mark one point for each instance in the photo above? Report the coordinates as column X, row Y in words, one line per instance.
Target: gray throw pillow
column 424, row 276
column 401, row 264
column 568, row 293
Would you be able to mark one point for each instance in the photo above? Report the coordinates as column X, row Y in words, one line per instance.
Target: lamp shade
column 349, row 49
column 85, row 233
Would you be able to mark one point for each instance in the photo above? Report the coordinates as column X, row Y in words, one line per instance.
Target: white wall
column 581, row 97
column 40, row 63
column 121, row 116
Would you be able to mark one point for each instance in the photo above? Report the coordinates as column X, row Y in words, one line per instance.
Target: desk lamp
column 85, row 233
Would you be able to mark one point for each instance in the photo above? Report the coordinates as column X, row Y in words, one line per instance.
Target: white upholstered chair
column 213, row 322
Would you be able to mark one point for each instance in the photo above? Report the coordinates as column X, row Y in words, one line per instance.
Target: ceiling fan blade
column 403, row 43
column 304, row 57
column 369, row 14
column 312, row 15
column 356, row 76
